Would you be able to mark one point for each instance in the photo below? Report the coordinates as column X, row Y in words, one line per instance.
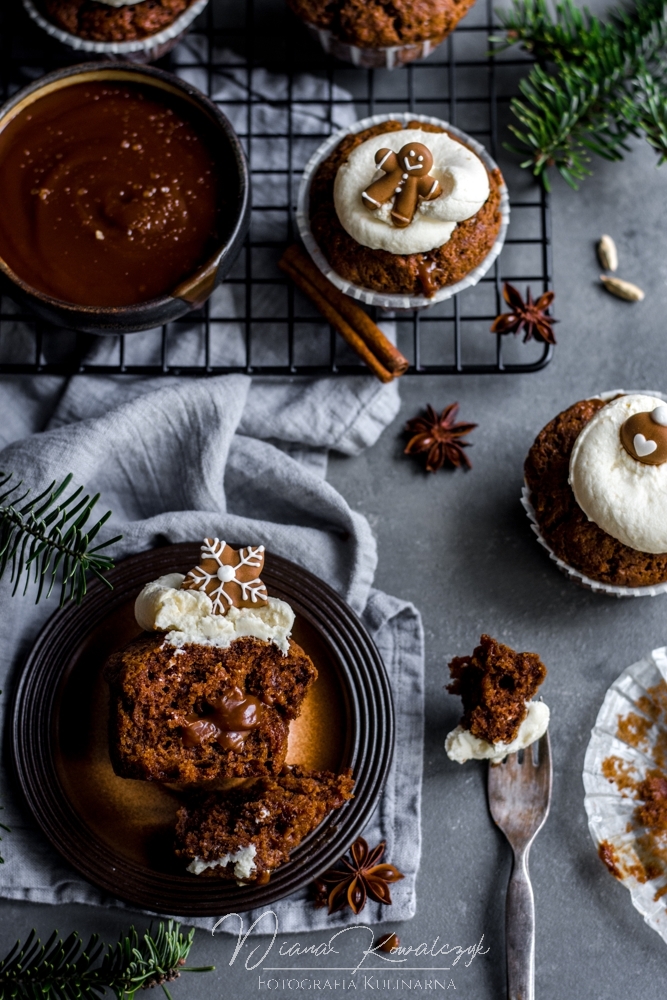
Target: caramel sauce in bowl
column 126, row 197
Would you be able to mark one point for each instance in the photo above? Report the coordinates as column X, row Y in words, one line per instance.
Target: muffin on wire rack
column 375, row 34
column 402, row 211
column 596, row 491
column 137, row 30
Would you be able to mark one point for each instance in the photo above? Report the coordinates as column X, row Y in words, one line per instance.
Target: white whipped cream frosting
column 625, row 498
column 186, row 617
column 243, row 861
column 462, row 175
column 461, row 745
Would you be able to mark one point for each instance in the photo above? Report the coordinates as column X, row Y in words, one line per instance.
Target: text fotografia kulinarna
column 447, row 955
column 370, row 983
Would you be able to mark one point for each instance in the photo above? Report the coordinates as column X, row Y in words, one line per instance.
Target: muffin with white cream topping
column 596, row 489
column 402, row 207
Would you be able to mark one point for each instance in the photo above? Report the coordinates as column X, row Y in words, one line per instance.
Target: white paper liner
column 388, row 57
column 153, row 46
column 609, row 811
column 574, row 574
column 383, row 300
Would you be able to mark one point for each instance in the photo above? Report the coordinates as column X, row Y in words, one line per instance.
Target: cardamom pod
column 608, row 253
column 622, row 289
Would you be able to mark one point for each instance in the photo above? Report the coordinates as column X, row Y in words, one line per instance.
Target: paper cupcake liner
column 380, row 299
column 138, row 50
column 585, row 581
column 389, row 57
column 610, row 811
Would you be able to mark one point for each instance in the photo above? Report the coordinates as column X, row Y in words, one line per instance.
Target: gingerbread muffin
column 596, row 489
column 379, row 34
column 211, row 695
column 99, row 21
column 496, row 685
column 247, row 833
column 387, row 223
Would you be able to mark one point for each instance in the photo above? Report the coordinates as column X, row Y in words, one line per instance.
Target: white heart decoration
column 642, row 446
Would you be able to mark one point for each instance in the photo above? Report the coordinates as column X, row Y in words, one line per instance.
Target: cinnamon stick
column 379, row 345
column 337, row 321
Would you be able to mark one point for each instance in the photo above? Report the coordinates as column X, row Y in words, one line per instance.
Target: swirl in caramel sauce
column 111, row 193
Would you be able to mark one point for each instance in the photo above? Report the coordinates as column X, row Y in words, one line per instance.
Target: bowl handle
column 199, row 287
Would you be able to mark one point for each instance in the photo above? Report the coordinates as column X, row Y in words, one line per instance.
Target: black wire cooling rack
column 284, row 96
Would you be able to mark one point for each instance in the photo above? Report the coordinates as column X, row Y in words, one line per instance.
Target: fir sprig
column 65, row 970
column 44, row 536
column 594, row 85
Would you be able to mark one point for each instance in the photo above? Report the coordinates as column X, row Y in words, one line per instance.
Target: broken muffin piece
column 247, row 833
column 196, row 713
column 496, row 685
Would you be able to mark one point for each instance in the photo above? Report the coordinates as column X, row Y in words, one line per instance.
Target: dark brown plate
column 118, row 832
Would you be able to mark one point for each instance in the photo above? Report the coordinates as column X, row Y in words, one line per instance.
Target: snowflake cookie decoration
column 229, row 577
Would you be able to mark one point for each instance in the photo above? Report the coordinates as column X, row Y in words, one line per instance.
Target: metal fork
column 519, row 798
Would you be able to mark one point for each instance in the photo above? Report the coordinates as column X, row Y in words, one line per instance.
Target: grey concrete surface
column 459, row 546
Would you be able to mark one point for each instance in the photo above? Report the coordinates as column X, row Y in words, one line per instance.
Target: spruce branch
column 595, row 83
column 65, row 970
column 43, row 536
column 647, row 101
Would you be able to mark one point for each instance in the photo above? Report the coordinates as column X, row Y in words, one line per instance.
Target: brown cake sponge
column 378, row 24
column 577, row 541
column 98, row 22
column 408, row 274
column 273, row 815
column 156, row 688
column 494, row 684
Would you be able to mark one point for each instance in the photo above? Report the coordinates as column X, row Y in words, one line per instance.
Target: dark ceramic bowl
column 193, row 291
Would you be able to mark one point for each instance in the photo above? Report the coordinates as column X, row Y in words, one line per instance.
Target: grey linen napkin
column 178, row 459
column 185, row 460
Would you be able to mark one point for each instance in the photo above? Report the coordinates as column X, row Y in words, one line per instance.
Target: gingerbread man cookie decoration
column 229, row 576
column 406, row 180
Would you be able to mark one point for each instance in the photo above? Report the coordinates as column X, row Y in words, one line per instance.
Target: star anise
column 357, row 877
column 440, row 437
column 528, row 317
